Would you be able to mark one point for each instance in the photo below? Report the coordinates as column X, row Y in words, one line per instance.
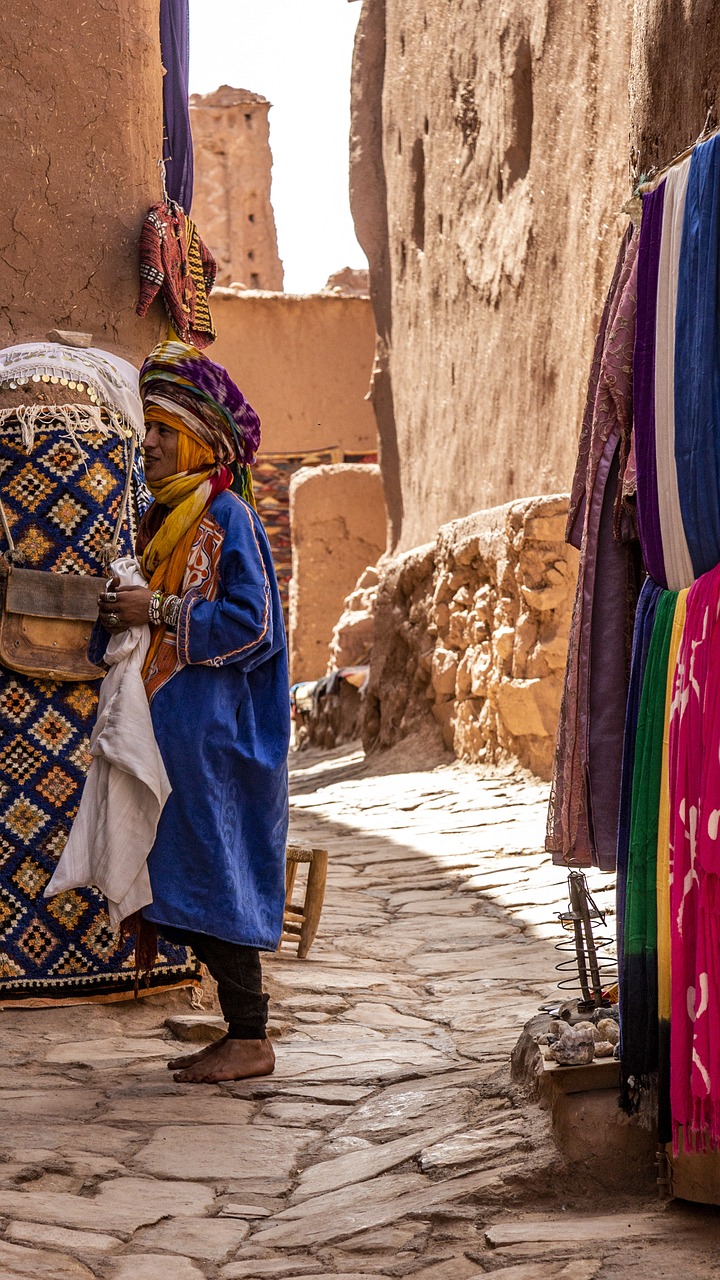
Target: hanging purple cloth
column 644, row 384
column 177, row 146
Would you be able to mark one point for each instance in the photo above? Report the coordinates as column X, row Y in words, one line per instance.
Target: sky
column 298, row 54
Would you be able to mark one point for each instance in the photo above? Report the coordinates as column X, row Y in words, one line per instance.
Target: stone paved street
column 391, row 1141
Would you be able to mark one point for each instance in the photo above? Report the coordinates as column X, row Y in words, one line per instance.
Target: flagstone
column 209, row 1239
column 65, row 1210
column 357, row 1166
column 248, row 1211
column 185, row 1108
column 327, row 1220
column 280, row 1268
column 16, row 1260
column 220, row 1151
column 116, row 1049
column 177, row 1198
column 157, row 1266
column 302, row 1113
column 98, row 1138
column 55, row 1237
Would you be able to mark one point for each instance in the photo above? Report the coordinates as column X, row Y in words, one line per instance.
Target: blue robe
column 220, row 704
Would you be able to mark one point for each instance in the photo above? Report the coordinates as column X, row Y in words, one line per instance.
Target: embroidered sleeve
column 238, row 627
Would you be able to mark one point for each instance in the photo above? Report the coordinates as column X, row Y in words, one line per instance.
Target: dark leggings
column 238, row 974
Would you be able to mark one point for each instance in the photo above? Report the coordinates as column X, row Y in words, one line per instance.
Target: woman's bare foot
column 188, row 1059
column 229, row 1060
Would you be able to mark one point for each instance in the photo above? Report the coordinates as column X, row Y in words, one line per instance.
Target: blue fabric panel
column 697, row 361
column 178, row 146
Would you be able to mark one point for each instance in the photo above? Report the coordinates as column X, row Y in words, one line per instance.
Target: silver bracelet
column 171, row 611
column 155, row 608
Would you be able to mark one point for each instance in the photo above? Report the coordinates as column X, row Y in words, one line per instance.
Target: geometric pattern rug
column 61, row 512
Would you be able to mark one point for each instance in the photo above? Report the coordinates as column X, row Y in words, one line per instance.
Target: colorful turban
column 184, row 382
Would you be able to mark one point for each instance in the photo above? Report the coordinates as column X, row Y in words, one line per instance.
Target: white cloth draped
column 678, row 565
column 127, row 785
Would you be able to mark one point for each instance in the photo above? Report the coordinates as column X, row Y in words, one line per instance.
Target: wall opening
column 518, row 116
column 418, row 172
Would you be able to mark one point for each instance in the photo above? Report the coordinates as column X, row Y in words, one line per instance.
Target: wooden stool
column 300, row 923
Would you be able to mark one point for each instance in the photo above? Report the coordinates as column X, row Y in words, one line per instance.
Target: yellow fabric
column 663, row 846
column 186, row 494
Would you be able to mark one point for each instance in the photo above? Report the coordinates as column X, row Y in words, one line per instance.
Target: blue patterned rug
column 61, row 512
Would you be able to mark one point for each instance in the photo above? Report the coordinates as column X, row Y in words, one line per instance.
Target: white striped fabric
column 678, row 565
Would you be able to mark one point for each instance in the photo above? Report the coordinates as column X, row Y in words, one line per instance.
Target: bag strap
column 6, row 530
column 110, row 550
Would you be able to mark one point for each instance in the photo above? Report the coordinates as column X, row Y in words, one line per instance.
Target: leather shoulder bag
column 46, row 618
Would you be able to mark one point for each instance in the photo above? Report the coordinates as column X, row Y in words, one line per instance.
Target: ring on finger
column 111, row 597
column 112, row 620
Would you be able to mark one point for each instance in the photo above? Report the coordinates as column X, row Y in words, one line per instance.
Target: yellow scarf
column 186, row 494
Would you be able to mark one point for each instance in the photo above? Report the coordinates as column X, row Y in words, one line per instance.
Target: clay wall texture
column 304, row 363
column 674, row 76
column 471, row 631
column 81, row 134
column 489, row 169
column 231, row 200
column 338, row 520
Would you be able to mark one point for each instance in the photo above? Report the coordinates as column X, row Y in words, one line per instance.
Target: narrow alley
column 391, row 1140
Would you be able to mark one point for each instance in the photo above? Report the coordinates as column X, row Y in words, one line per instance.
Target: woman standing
column 217, row 681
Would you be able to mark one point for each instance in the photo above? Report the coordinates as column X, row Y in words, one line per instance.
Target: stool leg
column 314, row 897
column 290, row 873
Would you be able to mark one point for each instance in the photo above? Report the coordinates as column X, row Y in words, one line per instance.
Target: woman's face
column 160, row 452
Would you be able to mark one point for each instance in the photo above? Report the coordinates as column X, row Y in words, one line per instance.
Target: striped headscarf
column 181, row 381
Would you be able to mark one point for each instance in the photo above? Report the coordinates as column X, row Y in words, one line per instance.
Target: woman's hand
column 123, row 607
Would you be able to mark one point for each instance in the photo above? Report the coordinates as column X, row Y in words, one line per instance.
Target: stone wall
column 489, row 169
column 81, row 134
column 337, row 516
column 231, row 201
column 471, row 630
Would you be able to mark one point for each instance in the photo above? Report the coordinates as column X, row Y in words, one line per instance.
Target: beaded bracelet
column 171, row 611
column 155, row 608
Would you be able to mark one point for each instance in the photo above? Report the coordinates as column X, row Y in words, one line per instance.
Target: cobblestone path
column 390, row 1142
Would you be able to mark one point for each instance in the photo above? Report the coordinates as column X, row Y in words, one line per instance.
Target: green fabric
column 639, row 997
column 641, row 902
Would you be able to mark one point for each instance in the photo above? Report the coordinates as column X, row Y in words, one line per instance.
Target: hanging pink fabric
column 694, row 762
